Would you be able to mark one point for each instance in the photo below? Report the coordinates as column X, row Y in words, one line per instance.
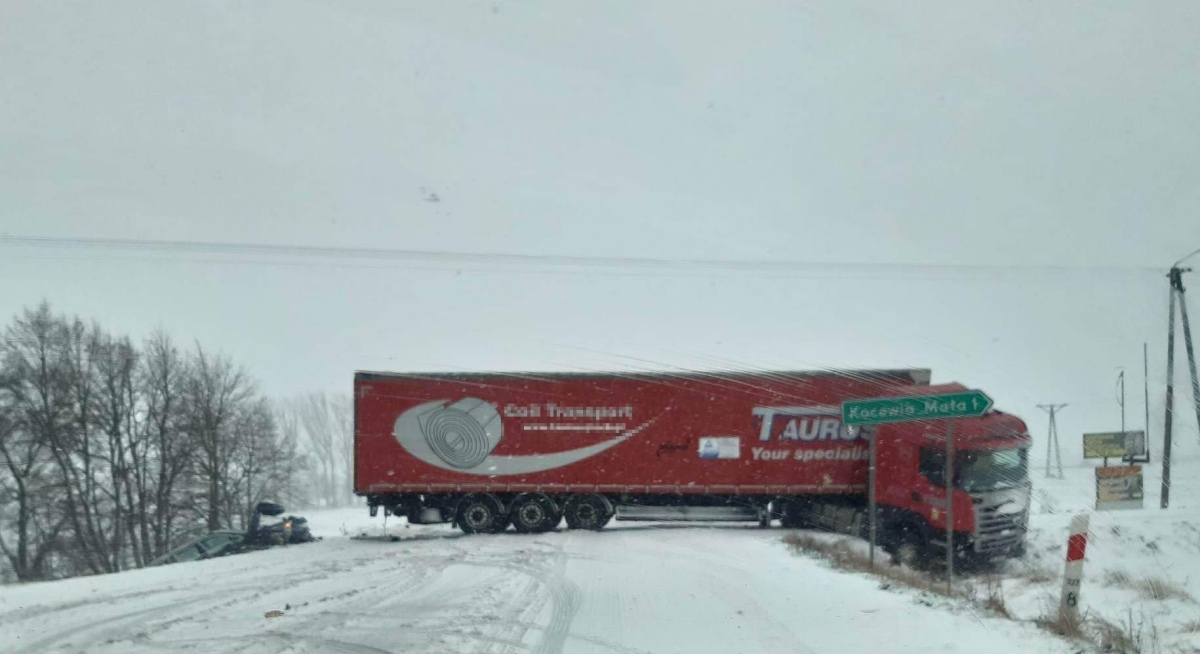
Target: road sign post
column 871, row 503
column 877, row 411
column 949, row 508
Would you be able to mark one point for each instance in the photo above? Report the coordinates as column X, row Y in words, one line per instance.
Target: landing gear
column 764, row 516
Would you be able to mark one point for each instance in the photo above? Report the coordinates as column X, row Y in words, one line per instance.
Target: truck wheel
column 909, row 548
column 791, row 515
column 532, row 512
column 587, row 512
column 480, row 514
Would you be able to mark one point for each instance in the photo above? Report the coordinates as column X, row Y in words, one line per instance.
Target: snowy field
column 371, row 587
column 628, row 589
column 1127, row 550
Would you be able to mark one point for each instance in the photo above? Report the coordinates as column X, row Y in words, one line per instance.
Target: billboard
column 1119, row 488
column 1114, row 444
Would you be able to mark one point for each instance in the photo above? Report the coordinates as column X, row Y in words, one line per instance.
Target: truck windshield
column 994, row 470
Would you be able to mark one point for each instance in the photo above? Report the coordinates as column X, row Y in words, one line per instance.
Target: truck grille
column 997, row 528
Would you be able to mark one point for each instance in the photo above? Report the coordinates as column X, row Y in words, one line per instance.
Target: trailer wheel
column 587, row 512
column 532, row 512
column 480, row 514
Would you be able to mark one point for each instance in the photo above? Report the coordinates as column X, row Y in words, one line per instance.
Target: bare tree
column 34, row 407
column 91, row 487
column 326, row 422
column 265, row 460
column 293, row 491
column 123, row 446
column 105, row 451
column 215, row 388
column 343, row 421
column 168, row 448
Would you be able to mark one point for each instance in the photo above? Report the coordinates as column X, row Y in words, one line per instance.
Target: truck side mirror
column 933, row 466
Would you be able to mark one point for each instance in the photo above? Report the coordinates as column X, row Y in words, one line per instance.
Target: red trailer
column 488, row 450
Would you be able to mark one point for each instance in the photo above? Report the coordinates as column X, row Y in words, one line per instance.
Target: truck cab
column 989, row 492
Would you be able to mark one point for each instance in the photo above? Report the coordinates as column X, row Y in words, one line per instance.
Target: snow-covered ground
column 642, row 588
column 371, row 587
column 1125, row 549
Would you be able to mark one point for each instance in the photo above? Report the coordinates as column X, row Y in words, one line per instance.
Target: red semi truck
column 490, row 450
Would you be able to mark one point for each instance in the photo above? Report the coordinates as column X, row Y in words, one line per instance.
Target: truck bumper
column 970, row 551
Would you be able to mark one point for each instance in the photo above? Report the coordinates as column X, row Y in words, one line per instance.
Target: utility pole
column 1121, row 386
column 1052, row 450
column 1191, row 353
column 1146, row 391
column 1177, row 296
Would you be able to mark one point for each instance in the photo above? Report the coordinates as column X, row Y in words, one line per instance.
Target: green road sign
column 921, row 407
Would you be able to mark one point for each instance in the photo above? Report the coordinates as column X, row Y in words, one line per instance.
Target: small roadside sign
column 1114, row 444
column 919, row 407
column 1119, row 488
column 1073, row 570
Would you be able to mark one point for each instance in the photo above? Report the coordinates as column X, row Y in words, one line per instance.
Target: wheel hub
column 532, row 514
column 586, row 513
column 478, row 516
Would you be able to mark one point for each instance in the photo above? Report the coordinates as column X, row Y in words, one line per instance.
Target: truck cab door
column 928, row 493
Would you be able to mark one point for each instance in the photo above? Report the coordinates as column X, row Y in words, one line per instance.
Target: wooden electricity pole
column 1177, row 298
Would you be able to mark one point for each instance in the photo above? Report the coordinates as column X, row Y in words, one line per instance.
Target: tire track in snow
column 514, row 622
column 564, row 606
column 140, row 627
column 106, row 625
column 564, row 595
column 505, row 631
column 289, row 640
column 594, row 640
column 364, row 587
column 727, row 586
column 26, row 613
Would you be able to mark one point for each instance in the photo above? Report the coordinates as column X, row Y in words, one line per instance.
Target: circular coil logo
column 459, row 437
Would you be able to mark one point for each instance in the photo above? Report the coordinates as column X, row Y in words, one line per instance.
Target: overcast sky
column 992, row 191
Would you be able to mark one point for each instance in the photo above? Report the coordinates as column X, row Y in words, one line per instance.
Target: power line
column 1186, row 257
column 452, row 259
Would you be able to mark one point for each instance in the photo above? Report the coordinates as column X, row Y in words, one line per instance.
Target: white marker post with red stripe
column 1073, row 572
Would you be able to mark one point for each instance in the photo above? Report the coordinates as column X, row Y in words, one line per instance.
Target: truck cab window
column 933, row 466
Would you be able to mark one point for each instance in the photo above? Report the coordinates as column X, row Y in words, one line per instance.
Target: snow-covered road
column 627, row 589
